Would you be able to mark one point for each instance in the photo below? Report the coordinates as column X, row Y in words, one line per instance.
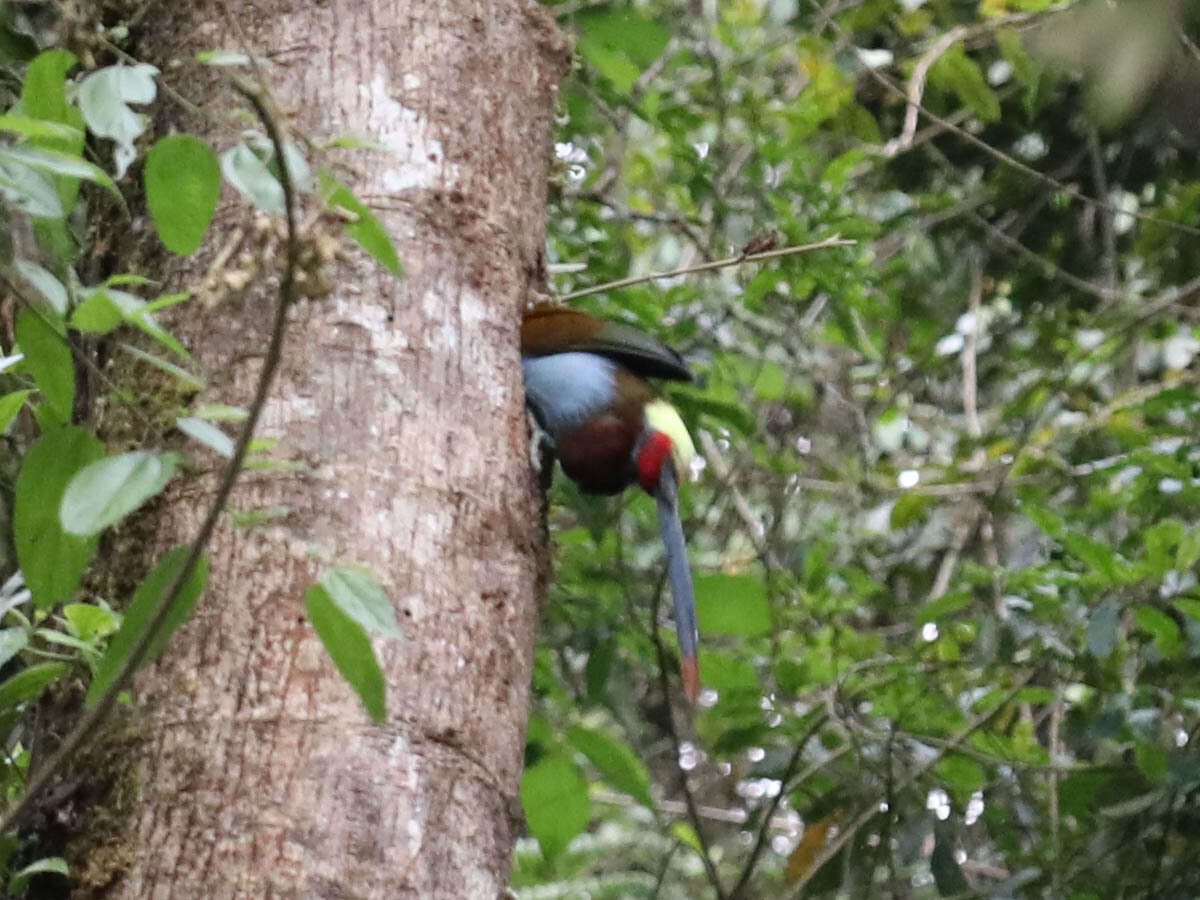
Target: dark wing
column 555, row 329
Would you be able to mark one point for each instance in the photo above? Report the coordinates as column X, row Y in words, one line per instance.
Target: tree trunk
column 261, row 775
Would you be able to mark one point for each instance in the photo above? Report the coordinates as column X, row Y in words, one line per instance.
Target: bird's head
column 667, row 438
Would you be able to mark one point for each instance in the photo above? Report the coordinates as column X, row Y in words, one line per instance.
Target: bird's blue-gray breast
column 566, row 388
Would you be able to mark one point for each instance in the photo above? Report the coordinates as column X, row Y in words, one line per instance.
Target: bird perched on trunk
column 585, row 380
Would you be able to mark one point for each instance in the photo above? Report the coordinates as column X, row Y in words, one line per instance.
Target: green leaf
column 222, row 58
column 48, row 360
column 206, row 433
column 48, row 287
column 55, row 162
column 1049, row 522
column 365, row 229
column 104, row 97
column 87, row 621
column 253, row 180
column 10, row 405
column 1100, row 557
column 107, row 490
column 1161, row 539
column 28, row 191
column 165, row 365
column 1102, row 629
column 136, row 617
column 12, row 642
column 358, row 594
column 55, row 865
column 28, row 684
column 956, row 72
column 732, row 604
column 555, row 798
column 219, row 412
column 615, row 762
column 44, row 96
column 39, row 128
column 909, row 509
column 1167, row 637
column 183, row 185
column 97, row 314
column 771, row 385
column 619, row 43
column 348, row 646
column 962, row 775
column 53, row 560
column 104, row 308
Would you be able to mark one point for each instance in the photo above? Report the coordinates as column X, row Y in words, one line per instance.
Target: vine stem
column 85, row 729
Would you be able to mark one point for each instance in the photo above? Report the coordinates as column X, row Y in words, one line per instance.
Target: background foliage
column 945, row 534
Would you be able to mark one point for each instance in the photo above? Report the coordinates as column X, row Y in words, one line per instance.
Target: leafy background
column 945, row 528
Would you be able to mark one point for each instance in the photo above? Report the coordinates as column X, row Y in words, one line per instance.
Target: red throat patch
column 654, row 452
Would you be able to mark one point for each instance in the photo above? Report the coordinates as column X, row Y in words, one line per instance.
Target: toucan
column 585, row 382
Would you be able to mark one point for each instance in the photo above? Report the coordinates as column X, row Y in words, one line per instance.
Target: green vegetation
column 946, row 537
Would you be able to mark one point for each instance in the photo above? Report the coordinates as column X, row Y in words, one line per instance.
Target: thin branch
column 999, row 155
column 916, row 83
column 871, row 810
column 754, row 528
column 87, row 726
column 689, row 798
column 1108, row 234
column 835, row 241
column 1050, row 269
column 760, row 842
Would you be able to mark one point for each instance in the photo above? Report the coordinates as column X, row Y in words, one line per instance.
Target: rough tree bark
column 261, row 776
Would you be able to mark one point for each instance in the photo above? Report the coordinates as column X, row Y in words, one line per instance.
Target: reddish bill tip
column 689, row 671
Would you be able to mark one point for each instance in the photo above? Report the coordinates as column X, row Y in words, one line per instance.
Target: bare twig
column 871, row 810
column 693, row 809
column 916, row 82
column 764, row 829
column 86, row 728
column 835, row 241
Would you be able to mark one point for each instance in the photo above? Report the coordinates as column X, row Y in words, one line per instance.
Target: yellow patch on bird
column 662, row 416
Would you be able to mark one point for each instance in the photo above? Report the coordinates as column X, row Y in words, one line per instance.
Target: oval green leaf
column 108, row 490
column 732, row 604
column 183, row 185
column 358, row 593
column 350, row 649
column 141, row 609
column 53, row 560
column 555, row 798
column 48, row 360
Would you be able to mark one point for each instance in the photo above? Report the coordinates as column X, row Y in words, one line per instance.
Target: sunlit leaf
column 207, row 434
column 183, row 185
column 615, row 761
column 107, row 490
column 104, row 98
column 358, row 594
column 365, row 228
column 554, row 796
column 348, row 646
column 253, row 180
column 732, row 604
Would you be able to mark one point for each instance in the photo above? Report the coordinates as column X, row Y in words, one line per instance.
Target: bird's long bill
column 680, row 575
